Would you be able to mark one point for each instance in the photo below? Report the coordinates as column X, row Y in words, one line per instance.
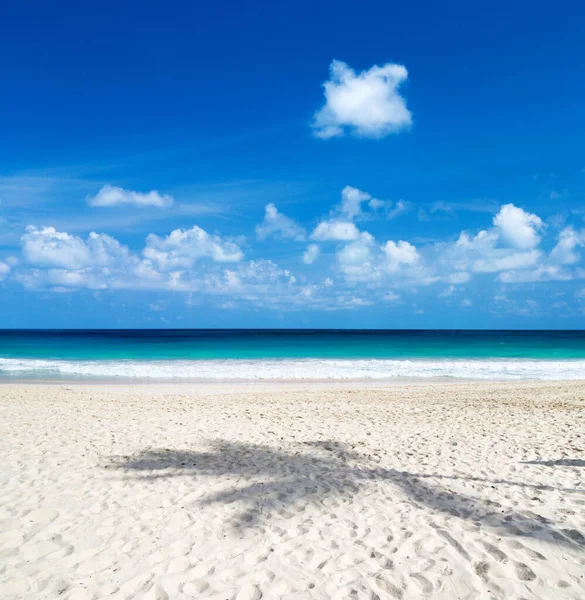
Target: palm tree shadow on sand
column 276, row 480
column 561, row 462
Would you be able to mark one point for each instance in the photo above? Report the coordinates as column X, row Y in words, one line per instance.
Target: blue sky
column 308, row 165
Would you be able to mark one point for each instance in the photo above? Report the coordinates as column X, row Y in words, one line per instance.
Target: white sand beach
column 293, row 491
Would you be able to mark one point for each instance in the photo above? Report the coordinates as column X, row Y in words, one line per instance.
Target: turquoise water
column 292, row 353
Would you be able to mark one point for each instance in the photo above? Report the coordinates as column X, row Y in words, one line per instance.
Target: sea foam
column 235, row 369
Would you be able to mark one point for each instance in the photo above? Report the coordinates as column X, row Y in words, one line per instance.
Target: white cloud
column 251, row 279
column 354, row 202
column 564, row 251
column 228, row 305
column 502, row 260
column 356, row 253
column 4, row 270
column 157, row 307
column 448, row 292
column 183, row 247
column 341, row 231
column 376, row 204
column 275, row 224
column 195, row 261
column 392, row 297
column 56, row 258
column 459, row 277
column 357, row 261
column 366, row 261
column 190, row 261
column 454, row 279
column 351, row 201
column 47, row 247
column 484, row 253
column 367, row 104
column 401, row 253
column 509, row 249
column 517, row 227
column 542, row 273
column 401, row 207
column 352, row 302
column 311, row 253
column 111, row 195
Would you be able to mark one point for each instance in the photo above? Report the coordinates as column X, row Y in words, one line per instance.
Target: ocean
column 208, row 354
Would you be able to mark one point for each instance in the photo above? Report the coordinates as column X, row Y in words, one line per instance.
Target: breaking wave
column 316, row 369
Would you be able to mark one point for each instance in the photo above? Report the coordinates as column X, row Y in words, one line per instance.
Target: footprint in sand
column 383, row 561
column 575, row 535
column 481, row 569
column 524, row 572
column 425, row 585
column 389, row 587
column 532, row 553
column 449, row 538
column 496, row 552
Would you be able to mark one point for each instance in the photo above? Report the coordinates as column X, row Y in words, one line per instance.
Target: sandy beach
column 293, row 491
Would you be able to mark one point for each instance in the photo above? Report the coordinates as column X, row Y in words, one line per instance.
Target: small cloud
column 448, row 292
column 442, row 207
column 192, row 300
column 557, row 195
column 351, row 201
column 365, row 104
column 564, row 252
column 557, row 221
column 509, row 261
column 448, row 210
column 111, row 195
column 340, row 231
column 465, row 302
column 353, row 302
column 157, row 307
column 311, row 253
column 4, row 270
column 228, row 305
column 400, row 208
column 355, row 203
column 401, row 253
column 518, row 227
column 277, row 225
column 460, row 277
column 392, row 297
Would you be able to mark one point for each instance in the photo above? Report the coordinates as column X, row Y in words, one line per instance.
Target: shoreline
column 241, row 385
column 349, row 370
column 370, row 382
